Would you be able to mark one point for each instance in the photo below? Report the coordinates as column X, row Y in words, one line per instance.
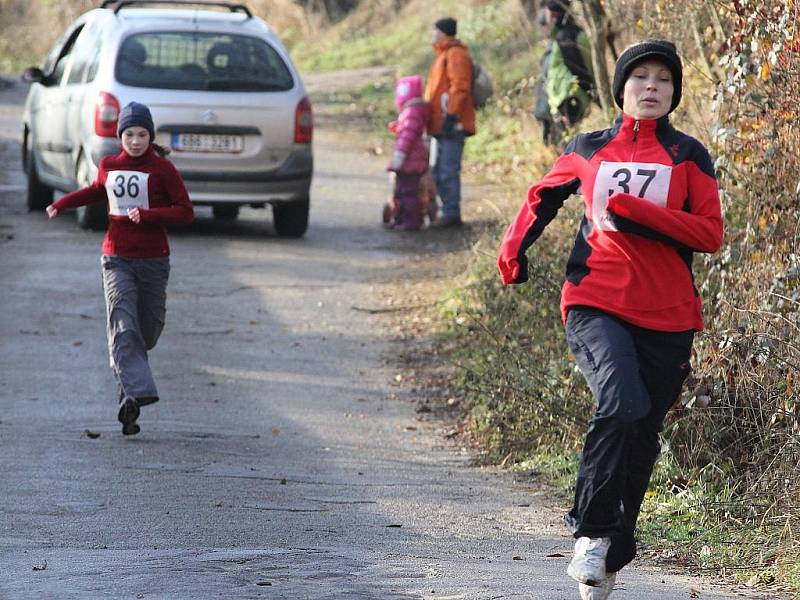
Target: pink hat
column 406, row 89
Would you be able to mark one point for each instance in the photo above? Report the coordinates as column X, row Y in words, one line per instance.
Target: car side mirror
column 33, row 75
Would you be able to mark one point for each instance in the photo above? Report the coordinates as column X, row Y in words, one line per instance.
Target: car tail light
column 303, row 122
column 106, row 113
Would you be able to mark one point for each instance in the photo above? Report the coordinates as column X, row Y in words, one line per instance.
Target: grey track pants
column 136, row 304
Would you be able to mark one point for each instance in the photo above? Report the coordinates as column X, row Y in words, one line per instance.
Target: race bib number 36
column 126, row 189
column 649, row 181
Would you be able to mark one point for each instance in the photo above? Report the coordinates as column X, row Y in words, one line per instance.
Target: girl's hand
column 52, row 212
column 135, row 215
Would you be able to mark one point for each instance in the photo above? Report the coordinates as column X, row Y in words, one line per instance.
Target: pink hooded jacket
column 410, row 125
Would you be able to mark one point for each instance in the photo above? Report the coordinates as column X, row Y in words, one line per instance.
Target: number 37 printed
column 649, row 181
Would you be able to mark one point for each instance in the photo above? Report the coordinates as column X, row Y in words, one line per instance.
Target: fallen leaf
column 275, row 432
column 77, row 343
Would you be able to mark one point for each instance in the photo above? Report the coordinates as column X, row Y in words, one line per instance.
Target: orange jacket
column 451, row 73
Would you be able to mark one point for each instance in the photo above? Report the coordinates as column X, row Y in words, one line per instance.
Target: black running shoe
column 127, row 415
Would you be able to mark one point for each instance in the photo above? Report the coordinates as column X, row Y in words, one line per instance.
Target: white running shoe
column 601, row 592
column 588, row 564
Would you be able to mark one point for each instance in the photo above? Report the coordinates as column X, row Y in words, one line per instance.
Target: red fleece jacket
column 651, row 201
column 150, row 182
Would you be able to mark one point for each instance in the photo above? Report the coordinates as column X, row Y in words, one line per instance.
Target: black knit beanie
column 559, row 6
column 447, row 26
column 660, row 50
column 136, row 115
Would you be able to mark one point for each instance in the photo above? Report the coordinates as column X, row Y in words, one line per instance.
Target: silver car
column 224, row 95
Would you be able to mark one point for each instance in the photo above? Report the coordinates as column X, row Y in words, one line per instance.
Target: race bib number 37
column 649, row 181
column 126, row 189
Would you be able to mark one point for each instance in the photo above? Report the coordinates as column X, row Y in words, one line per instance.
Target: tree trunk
column 597, row 23
column 701, row 51
column 531, row 9
column 719, row 30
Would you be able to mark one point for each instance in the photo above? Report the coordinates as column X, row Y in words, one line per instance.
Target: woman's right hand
column 52, row 212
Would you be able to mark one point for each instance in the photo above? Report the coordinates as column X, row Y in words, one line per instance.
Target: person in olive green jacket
column 569, row 80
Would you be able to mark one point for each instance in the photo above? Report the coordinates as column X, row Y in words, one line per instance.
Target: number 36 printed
column 649, row 181
column 126, row 190
column 131, row 188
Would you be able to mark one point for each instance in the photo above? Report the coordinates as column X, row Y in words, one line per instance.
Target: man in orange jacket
column 449, row 90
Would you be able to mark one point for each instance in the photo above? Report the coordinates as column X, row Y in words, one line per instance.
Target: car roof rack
column 233, row 7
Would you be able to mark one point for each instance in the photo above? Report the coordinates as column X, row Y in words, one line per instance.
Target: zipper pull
column 635, row 130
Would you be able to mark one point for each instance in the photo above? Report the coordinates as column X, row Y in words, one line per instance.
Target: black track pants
column 635, row 375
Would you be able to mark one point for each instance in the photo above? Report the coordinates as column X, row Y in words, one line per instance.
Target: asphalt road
column 282, row 462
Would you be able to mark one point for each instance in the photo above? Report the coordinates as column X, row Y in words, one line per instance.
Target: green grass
column 394, row 46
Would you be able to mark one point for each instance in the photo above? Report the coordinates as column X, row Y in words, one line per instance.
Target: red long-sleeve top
column 149, row 182
column 651, row 201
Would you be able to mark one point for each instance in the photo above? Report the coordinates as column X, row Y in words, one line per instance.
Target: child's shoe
column 127, row 415
column 388, row 215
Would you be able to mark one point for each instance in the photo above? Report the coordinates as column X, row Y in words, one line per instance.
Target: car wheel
column 291, row 218
column 39, row 196
column 91, row 216
column 225, row 212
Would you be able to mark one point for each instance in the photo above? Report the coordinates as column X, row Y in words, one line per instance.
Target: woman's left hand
column 135, row 215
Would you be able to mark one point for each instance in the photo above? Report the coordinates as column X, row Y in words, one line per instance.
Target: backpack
column 482, row 86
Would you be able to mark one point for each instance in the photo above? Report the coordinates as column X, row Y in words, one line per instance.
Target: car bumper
column 211, row 192
column 290, row 182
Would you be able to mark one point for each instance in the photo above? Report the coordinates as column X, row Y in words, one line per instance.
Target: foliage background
column 726, row 495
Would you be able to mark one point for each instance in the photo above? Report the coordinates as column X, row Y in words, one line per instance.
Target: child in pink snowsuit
column 410, row 157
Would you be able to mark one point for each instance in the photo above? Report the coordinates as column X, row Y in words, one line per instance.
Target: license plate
column 207, row 142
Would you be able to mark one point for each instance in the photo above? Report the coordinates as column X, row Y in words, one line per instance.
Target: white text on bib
column 126, row 189
column 649, row 181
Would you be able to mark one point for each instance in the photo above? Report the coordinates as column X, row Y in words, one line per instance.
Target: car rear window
column 201, row 61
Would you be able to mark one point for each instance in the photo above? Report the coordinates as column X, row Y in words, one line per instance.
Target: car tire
column 39, row 195
column 91, row 216
column 291, row 218
column 225, row 212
